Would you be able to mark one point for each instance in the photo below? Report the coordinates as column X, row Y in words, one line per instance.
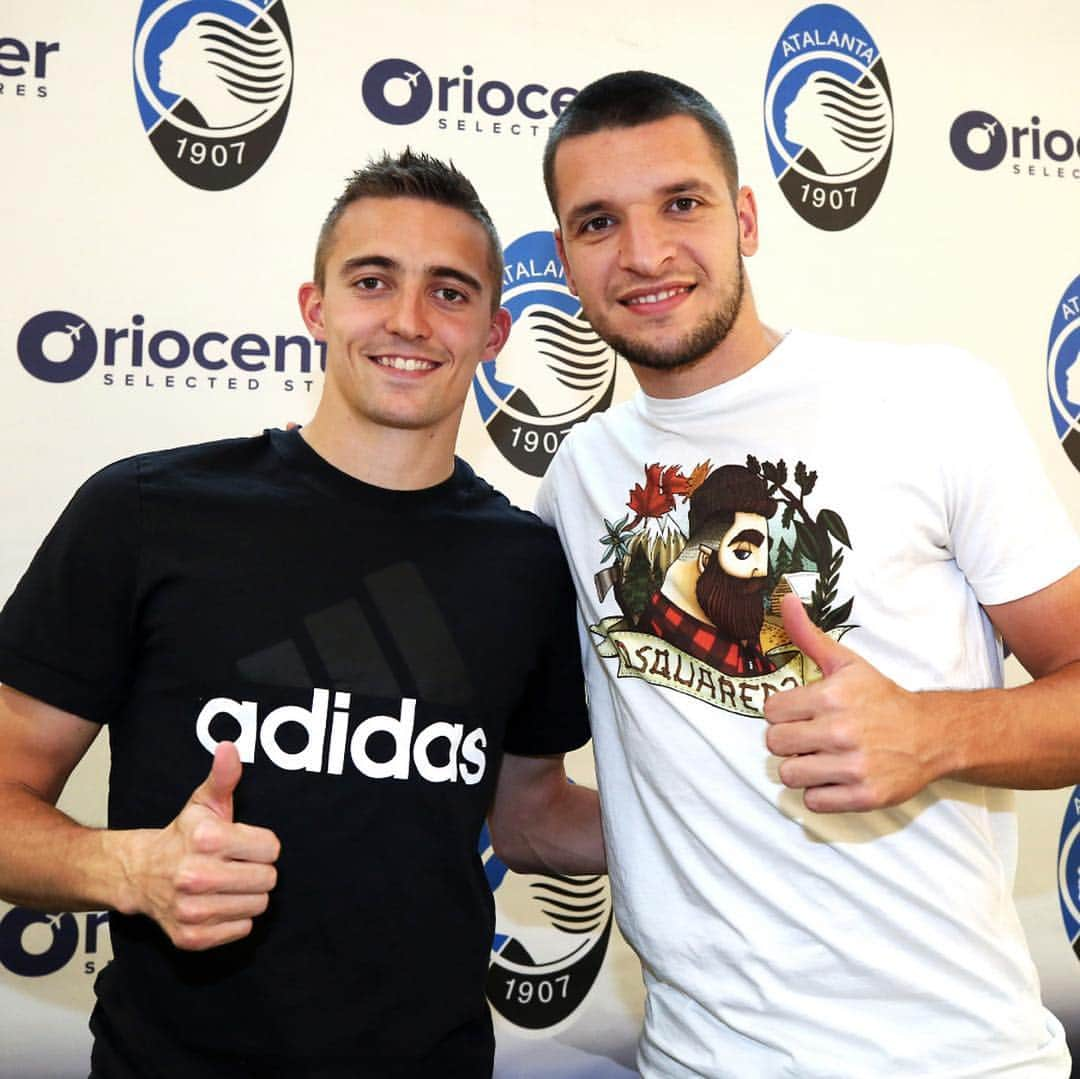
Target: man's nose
column 646, row 244
column 407, row 317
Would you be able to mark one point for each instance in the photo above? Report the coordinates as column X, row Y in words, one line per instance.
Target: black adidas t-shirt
column 372, row 652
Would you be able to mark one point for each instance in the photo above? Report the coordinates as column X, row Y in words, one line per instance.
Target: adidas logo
column 441, row 752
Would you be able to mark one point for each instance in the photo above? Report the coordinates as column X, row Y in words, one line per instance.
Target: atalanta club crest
column 828, row 117
column 554, row 371
column 551, row 938
column 213, row 81
column 1063, row 371
column 1069, row 871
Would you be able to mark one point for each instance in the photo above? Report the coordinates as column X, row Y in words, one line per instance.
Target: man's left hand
column 854, row 740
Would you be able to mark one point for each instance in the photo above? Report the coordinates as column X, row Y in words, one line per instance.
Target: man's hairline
column 730, row 182
column 495, row 282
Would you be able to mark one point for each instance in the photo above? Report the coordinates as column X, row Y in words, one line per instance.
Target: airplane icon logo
column 57, row 346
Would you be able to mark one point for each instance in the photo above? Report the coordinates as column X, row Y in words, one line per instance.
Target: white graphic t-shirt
column 895, row 490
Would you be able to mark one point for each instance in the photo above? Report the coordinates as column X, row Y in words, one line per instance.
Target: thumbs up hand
column 204, row 877
column 854, row 740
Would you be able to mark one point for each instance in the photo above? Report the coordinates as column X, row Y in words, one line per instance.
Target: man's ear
column 497, row 333
column 565, row 262
column 746, row 212
column 311, row 302
column 703, row 555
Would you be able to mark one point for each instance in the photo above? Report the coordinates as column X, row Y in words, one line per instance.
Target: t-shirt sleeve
column 66, row 631
column 544, row 504
column 551, row 716
column 1010, row 533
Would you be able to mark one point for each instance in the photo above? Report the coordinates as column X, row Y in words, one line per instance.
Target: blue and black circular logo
column 554, row 372
column 57, row 346
column 1069, row 870
column 551, row 939
column 397, row 91
column 213, row 82
column 828, row 117
column 1063, row 371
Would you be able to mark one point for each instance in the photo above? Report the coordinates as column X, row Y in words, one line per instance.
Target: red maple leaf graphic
column 657, row 497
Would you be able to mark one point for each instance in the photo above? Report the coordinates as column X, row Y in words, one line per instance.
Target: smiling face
column 651, row 240
column 406, row 314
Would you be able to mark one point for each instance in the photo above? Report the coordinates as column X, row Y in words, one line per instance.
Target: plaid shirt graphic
column 704, row 641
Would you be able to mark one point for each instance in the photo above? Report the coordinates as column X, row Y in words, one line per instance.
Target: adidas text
column 462, row 754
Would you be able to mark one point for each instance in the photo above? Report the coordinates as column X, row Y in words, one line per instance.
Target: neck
column 394, row 458
column 748, row 342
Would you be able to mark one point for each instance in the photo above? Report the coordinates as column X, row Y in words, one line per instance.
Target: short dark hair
column 412, row 175
column 631, row 98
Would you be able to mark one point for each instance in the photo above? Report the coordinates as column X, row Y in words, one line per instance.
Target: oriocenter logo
column 554, row 371
column 57, row 346
column 213, row 80
column 981, row 142
column 61, row 346
column 1063, row 371
column 33, row 944
column 24, row 67
column 399, row 92
column 828, row 117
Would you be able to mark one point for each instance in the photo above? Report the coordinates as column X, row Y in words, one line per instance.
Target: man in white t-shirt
column 814, row 860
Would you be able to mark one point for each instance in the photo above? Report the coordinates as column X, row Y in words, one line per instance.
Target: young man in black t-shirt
column 364, row 645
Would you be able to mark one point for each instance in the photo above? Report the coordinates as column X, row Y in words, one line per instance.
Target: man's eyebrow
column 376, row 262
column 596, row 206
column 748, row 535
column 676, row 187
column 456, row 275
column 691, row 183
column 384, row 262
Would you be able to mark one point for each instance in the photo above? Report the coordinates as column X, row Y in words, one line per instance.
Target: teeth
column 404, row 363
column 656, row 297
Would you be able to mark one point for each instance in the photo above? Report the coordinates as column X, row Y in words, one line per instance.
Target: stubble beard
column 697, row 343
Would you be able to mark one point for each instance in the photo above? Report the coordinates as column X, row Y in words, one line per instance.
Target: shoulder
column 928, row 372
column 204, row 457
column 490, row 508
column 849, row 351
column 121, row 484
column 589, row 438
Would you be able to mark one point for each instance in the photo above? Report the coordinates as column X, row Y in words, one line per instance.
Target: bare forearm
column 50, row 862
column 562, row 837
column 1027, row 737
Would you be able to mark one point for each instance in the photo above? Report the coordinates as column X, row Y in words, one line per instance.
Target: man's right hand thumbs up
column 204, row 877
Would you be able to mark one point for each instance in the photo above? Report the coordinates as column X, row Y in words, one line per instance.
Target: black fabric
column 235, row 578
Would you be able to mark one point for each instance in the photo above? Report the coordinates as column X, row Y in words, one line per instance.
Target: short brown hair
column 412, row 176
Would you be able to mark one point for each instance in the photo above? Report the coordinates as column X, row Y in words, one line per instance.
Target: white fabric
column 776, row 941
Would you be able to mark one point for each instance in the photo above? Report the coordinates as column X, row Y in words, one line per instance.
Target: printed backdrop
column 151, row 265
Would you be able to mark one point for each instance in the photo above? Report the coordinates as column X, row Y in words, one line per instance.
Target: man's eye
column 741, row 553
column 684, row 204
column 368, row 284
column 451, row 295
column 597, row 224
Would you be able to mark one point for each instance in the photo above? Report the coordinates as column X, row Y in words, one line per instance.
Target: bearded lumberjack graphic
column 712, row 593
column 711, row 602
